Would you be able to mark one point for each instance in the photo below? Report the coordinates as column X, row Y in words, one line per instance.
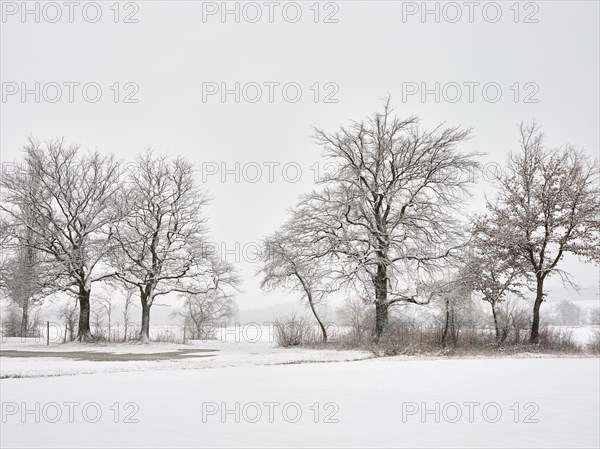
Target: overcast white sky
column 374, row 48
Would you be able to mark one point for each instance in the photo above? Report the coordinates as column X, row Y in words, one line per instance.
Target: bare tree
column 490, row 271
column 129, row 294
column 25, row 277
column 513, row 316
column 105, row 303
column 67, row 217
column 358, row 318
column 389, row 209
column 548, row 205
column 12, row 324
column 97, row 323
column 567, row 313
column 162, row 237
column 593, row 317
column 294, row 259
column 68, row 313
column 25, row 283
column 202, row 312
column 452, row 295
column 124, row 291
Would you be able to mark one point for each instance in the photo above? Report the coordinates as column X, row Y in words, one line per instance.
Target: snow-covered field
column 527, row 402
column 248, row 392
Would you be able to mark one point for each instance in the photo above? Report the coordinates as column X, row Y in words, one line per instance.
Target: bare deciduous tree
column 452, row 296
column 25, row 284
column 294, row 259
column 128, row 304
column 567, row 313
column 126, row 292
column 97, row 323
column 201, row 313
column 162, row 235
column 68, row 215
column 105, row 304
column 490, row 271
column 389, row 209
column 513, row 316
column 25, row 277
column 548, row 205
column 357, row 317
column 68, row 313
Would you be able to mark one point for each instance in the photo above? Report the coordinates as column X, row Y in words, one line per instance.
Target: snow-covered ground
column 250, row 393
column 232, row 349
column 536, row 402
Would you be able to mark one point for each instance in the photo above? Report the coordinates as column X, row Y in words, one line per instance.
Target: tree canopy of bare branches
column 202, row 313
column 388, row 212
column 295, row 259
column 67, row 215
column 548, row 205
column 491, row 271
column 163, row 243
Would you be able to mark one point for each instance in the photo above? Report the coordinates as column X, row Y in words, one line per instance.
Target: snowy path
column 97, row 356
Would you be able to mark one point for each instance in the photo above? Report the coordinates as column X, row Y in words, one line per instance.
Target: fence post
column 47, row 333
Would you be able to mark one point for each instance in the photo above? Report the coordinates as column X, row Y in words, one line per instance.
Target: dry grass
column 403, row 338
column 594, row 346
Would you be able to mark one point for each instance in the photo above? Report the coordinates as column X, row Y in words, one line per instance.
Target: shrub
column 11, row 322
column 409, row 337
column 594, row 345
column 294, row 331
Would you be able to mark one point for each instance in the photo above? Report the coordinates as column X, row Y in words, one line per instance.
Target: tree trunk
column 29, row 280
column 381, row 319
column 308, row 291
column 314, row 311
column 496, row 325
column 84, row 333
column 453, row 327
column 446, row 323
column 126, row 319
column 108, row 327
column 25, row 318
column 539, row 298
column 145, row 330
column 381, row 304
column 71, row 330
